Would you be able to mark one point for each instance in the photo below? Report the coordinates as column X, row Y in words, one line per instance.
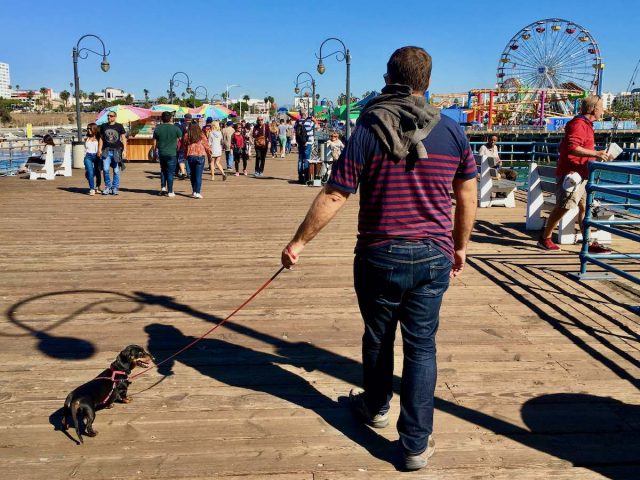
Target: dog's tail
column 74, row 407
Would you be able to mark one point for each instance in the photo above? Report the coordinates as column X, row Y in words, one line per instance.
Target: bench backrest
column 547, row 178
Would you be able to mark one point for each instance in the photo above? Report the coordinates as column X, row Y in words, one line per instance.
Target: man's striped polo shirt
column 400, row 200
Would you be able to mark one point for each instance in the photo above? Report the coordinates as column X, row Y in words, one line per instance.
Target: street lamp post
column 228, row 88
column 84, row 53
column 341, row 55
column 173, row 82
column 206, row 93
column 313, row 88
column 77, row 146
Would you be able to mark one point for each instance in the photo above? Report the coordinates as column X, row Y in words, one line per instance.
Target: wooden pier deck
column 538, row 375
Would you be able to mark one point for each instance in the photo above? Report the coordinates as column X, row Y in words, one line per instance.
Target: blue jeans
column 167, row 169
column 287, row 147
column 92, row 169
column 304, row 154
column 402, row 282
column 229, row 155
column 108, row 162
column 196, row 163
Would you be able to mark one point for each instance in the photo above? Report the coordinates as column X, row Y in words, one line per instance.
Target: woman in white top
column 92, row 164
column 215, row 141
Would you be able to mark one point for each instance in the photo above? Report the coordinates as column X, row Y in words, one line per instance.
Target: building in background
column 628, row 99
column 110, row 94
column 5, row 81
column 607, row 100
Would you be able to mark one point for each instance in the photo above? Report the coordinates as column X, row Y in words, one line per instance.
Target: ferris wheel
column 555, row 56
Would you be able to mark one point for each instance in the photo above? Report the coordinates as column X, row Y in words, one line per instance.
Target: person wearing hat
column 305, row 144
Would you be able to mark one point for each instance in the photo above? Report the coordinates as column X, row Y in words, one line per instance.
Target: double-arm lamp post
column 341, row 55
column 195, row 91
column 173, row 82
column 84, row 53
column 313, row 89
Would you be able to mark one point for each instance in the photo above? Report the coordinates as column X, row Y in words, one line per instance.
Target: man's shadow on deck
column 262, row 372
column 589, row 431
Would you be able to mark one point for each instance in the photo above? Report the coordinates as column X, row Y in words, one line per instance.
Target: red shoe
column 596, row 249
column 547, row 244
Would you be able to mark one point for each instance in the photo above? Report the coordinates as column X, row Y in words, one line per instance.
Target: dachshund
column 104, row 390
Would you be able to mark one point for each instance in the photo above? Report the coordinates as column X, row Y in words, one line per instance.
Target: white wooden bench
column 62, row 151
column 46, row 170
column 541, row 195
column 490, row 185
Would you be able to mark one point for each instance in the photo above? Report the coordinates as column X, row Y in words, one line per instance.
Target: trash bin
column 77, row 154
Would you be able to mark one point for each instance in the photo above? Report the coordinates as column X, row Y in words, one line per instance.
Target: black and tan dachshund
column 101, row 392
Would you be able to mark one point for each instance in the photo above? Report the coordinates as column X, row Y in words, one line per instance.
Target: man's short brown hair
column 410, row 66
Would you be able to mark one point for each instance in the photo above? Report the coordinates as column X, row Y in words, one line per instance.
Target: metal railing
column 628, row 191
column 14, row 153
column 545, row 152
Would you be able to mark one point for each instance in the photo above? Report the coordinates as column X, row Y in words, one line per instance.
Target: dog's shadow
column 55, row 419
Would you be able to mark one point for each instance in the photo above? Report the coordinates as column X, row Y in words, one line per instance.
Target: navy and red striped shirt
column 399, row 200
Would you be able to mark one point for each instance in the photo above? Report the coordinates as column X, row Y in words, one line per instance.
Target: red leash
column 186, row 347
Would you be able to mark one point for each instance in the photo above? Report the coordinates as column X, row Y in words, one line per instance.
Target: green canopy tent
column 341, row 112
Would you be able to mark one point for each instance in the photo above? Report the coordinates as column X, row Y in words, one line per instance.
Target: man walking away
column 405, row 158
column 576, row 151
column 227, row 133
column 261, row 140
column 304, row 130
column 112, row 148
column 282, row 137
column 165, row 139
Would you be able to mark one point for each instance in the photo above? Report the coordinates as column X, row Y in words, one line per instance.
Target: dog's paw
column 111, row 405
column 127, row 400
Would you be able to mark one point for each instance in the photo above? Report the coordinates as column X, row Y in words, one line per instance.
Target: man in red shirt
column 576, row 151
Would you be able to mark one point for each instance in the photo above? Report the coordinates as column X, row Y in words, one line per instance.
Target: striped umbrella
column 126, row 114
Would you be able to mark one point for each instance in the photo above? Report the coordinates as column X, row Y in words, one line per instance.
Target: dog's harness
column 113, row 380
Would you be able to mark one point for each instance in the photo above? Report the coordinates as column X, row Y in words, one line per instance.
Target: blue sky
column 262, row 45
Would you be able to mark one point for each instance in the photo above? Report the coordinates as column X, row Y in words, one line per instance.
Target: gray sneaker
column 106, row 191
column 416, row 462
column 360, row 409
column 114, row 191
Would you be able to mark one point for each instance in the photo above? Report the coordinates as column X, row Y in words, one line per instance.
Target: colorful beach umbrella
column 212, row 111
column 126, row 114
column 167, row 107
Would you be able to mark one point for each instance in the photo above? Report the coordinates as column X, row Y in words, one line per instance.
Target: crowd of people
column 185, row 150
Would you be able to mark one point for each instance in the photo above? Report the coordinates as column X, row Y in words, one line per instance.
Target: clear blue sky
column 263, row 45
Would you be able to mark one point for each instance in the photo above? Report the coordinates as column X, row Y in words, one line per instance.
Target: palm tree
column 246, row 99
column 162, row 100
column 64, row 96
column 146, row 95
column 43, row 92
column 128, row 99
column 92, row 96
column 17, row 87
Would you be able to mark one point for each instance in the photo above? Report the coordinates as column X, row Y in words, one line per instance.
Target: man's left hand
column 459, row 258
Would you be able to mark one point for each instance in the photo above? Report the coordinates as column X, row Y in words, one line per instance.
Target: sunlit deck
column 538, row 374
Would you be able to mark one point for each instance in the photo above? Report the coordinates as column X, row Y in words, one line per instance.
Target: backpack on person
column 301, row 133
